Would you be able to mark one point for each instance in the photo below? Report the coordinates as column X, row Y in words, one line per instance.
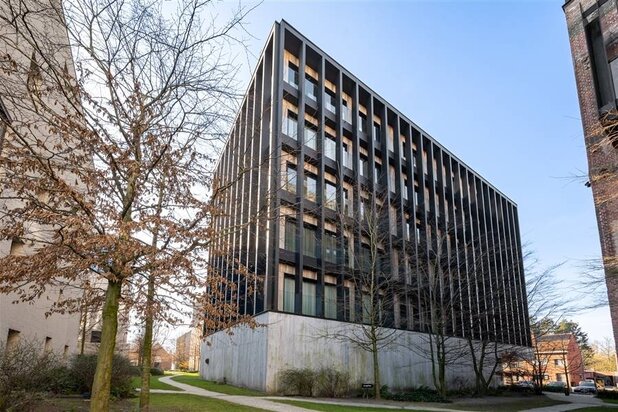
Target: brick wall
column 602, row 156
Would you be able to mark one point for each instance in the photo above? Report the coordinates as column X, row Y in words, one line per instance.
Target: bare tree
column 376, row 286
column 137, row 115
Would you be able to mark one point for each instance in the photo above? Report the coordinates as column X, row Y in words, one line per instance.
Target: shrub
column 603, row 394
column 25, row 372
column 157, row 371
column 83, row 368
column 332, row 383
column 420, row 394
column 297, row 381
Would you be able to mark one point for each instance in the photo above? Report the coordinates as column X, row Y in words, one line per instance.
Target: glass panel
column 330, row 301
column 347, row 156
column 308, row 298
column 329, row 102
column 311, row 136
column 290, row 179
column 330, row 147
column 362, row 122
column 311, row 88
column 376, row 132
column 290, row 124
column 330, row 196
column 364, row 170
column 366, row 307
column 346, row 113
column 288, row 294
column 290, row 235
column 309, row 188
column 309, row 242
column 292, row 75
column 330, row 248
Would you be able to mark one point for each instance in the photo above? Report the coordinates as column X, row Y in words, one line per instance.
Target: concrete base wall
column 253, row 358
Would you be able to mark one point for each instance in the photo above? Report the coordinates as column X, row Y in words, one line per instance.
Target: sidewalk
column 577, row 402
column 251, row 401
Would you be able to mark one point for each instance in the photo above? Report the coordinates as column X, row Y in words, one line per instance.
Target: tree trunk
column 376, row 369
column 144, row 395
column 103, row 375
column 83, row 322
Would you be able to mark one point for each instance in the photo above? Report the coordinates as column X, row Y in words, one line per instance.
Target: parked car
column 525, row 384
column 586, row 387
column 556, row 384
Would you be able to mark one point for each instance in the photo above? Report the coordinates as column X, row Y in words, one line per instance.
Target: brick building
column 554, row 356
column 593, row 34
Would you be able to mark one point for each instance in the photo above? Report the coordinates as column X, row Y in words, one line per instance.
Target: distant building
column 321, row 148
column 556, row 355
column 188, row 350
column 593, row 34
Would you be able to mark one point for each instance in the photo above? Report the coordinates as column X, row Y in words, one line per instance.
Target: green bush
column 83, row 368
column 331, row 383
column 553, row 388
column 420, row 394
column 603, row 394
column 157, row 372
column 297, row 381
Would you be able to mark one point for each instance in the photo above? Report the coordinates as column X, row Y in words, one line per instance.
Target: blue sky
column 492, row 81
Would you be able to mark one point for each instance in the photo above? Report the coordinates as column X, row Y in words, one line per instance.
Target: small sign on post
column 366, row 387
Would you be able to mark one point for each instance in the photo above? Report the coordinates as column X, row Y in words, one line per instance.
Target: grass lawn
column 159, row 403
column 596, row 409
column 195, row 380
column 506, row 405
column 333, row 408
column 154, row 383
column 509, row 405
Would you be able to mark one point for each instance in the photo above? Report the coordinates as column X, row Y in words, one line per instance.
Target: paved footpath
column 577, row 402
column 250, row 401
column 267, row 404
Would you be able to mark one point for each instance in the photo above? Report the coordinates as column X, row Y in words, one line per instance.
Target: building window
column 289, row 284
column 404, row 189
column 310, row 188
column 391, row 178
column 558, row 362
column 403, row 149
column 560, row 377
column 366, row 307
column 376, row 174
column 292, row 75
column 311, row 88
column 290, row 124
column 329, row 101
column 347, row 203
column 346, row 113
column 362, row 122
column 290, row 178
column 376, row 132
column 364, row 167
column 330, row 196
column 309, row 241
column 347, row 156
column 330, row 301
column 48, row 344
column 308, row 298
column 290, row 235
column 95, row 336
column 599, row 65
column 311, row 136
column 12, row 339
column 390, row 139
column 330, row 247
column 403, row 316
column 330, row 147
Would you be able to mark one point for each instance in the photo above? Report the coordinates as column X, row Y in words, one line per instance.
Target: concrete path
column 250, row 401
column 345, row 402
column 577, row 402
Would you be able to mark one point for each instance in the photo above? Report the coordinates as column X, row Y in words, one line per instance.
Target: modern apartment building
column 312, row 153
column 593, row 34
